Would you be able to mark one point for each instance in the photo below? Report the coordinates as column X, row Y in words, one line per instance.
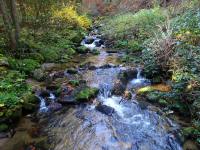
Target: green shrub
column 24, row 65
column 50, row 54
column 12, row 87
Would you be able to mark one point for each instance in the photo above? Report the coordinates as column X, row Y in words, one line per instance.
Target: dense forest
column 99, row 74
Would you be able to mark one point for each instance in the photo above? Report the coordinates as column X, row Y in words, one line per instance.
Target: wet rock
column 118, row 88
column 44, row 93
column 55, row 106
column 98, row 43
column 143, row 105
column 127, row 75
column 88, row 40
column 92, row 68
column 72, row 71
column 68, row 100
column 107, row 110
column 107, row 66
column 112, row 51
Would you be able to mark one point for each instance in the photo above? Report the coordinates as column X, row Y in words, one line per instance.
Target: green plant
column 24, row 65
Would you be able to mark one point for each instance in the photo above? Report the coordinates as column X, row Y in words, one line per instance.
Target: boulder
column 127, row 75
column 88, row 40
column 67, row 99
column 54, row 106
column 39, row 75
column 48, row 66
column 97, row 44
column 107, row 110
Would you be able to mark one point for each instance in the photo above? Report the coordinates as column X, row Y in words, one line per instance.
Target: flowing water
column 129, row 127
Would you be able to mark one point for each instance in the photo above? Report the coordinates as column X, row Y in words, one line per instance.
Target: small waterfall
column 52, row 97
column 43, row 106
column 139, row 70
column 105, row 90
column 139, row 81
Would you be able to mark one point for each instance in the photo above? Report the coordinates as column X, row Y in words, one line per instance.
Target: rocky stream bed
column 93, row 106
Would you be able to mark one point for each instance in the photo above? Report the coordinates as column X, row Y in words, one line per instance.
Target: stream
column 109, row 122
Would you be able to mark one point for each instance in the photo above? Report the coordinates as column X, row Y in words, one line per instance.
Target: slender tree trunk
column 15, row 19
column 8, row 24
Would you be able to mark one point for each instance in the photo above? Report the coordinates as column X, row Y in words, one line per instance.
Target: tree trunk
column 8, row 25
column 15, row 19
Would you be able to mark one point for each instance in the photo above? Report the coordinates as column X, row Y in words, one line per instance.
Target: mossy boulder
column 39, row 74
column 86, row 94
column 29, row 102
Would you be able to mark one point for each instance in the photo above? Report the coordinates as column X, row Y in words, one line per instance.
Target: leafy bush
column 68, row 15
column 12, row 87
column 24, row 65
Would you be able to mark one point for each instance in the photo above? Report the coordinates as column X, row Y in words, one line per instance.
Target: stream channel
column 109, row 122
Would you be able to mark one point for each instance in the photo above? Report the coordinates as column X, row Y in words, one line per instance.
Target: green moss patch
column 86, row 94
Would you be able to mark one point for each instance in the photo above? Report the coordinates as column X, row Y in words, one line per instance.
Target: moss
column 86, row 94
column 74, row 82
column 3, row 127
column 70, row 51
column 163, row 102
column 82, row 50
column 30, row 98
column 95, row 52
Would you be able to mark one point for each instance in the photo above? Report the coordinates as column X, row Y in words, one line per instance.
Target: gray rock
column 39, row 75
column 107, row 110
column 48, row 66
